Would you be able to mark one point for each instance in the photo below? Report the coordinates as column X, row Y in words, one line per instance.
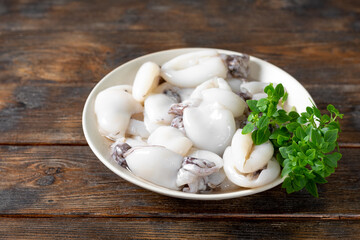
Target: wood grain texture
column 154, row 228
column 52, row 53
column 161, row 15
column 71, row 181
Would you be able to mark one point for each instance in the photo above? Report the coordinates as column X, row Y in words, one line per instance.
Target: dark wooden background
column 52, row 53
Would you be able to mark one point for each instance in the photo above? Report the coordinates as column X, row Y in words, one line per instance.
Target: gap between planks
column 202, row 216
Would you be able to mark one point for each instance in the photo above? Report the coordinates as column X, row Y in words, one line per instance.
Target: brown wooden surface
column 52, row 53
column 70, row 181
column 169, row 228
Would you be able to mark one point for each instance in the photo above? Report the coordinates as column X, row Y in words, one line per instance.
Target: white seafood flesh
column 146, row 79
column 137, row 128
column 258, row 96
column 135, row 141
column 212, row 83
column 235, row 83
column 209, row 127
column 191, row 69
column 155, row 164
column 171, row 138
column 185, row 93
column 225, row 98
column 151, row 126
column 208, row 155
column 157, row 107
column 249, row 165
column 251, row 180
column 252, row 88
column 246, row 156
column 113, row 108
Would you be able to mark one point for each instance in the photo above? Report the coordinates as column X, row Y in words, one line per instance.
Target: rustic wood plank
column 53, row 52
column 70, row 181
column 275, row 15
column 129, row 228
column 87, row 56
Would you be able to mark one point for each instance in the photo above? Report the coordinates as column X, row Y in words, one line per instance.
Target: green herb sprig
column 305, row 144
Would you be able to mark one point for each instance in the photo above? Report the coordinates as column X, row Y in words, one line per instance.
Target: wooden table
column 52, row 53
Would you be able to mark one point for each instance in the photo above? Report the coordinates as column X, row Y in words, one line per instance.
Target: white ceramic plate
column 259, row 70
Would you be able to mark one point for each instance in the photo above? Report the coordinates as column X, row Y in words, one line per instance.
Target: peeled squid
column 137, row 128
column 171, row 138
column 258, row 96
column 252, row 88
column 157, row 107
column 209, row 127
column 251, row 180
column 212, row 83
column 249, row 165
column 225, row 98
column 173, row 134
column 191, row 69
column 235, row 83
column 146, row 79
column 248, row 157
column 151, row 126
column 155, row 164
column 113, row 108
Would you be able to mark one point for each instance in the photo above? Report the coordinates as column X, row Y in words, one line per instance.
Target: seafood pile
column 179, row 125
